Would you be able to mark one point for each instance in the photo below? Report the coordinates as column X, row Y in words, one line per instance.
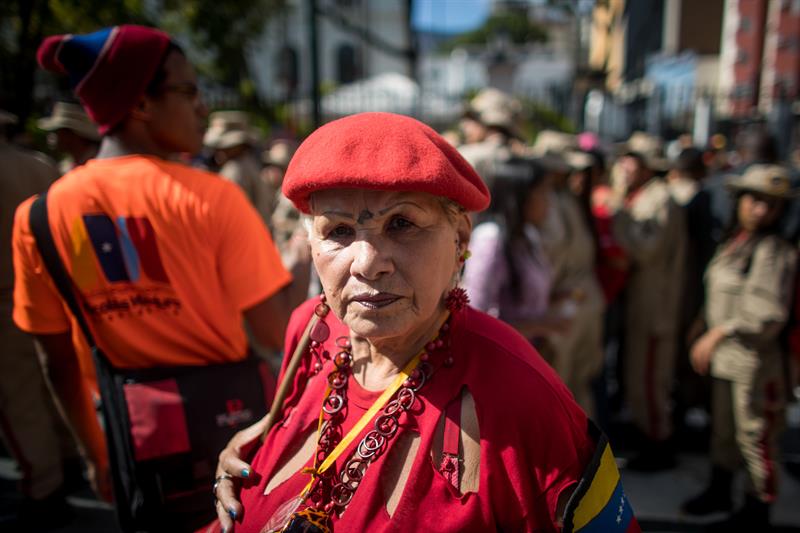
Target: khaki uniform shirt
column 22, row 174
column 747, row 292
column 651, row 229
column 245, row 171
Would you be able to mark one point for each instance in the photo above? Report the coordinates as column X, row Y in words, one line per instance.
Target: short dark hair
column 690, row 162
column 160, row 75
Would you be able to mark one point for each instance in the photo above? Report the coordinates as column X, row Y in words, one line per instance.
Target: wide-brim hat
column 72, row 117
column 279, row 154
column 382, row 151
column 228, row 129
column 772, row 180
column 649, row 148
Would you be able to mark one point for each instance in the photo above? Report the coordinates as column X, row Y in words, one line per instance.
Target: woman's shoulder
column 506, row 364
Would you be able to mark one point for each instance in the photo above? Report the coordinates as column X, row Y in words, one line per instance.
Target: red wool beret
column 109, row 69
column 382, row 151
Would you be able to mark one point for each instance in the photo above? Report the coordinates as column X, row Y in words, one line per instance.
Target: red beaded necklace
column 330, row 492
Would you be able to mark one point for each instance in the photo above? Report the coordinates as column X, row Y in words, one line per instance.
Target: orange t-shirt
column 165, row 258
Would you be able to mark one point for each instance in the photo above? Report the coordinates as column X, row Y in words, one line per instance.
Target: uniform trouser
column 578, row 357
column 746, row 422
column 649, row 373
column 28, row 417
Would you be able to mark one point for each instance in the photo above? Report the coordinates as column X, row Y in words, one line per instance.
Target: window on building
column 288, row 68
column 744, row 24
column 348, row 63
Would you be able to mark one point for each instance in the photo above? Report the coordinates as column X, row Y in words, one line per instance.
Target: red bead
column 445, row 326
column 449, row 361
column 424, row 356
column 431, row 346
column 329, row 507
column 342, row 359
column 314, row 344
column 322, row 297
column 439, row 343
column 318, row 367
column 416, row 374
column 337, row 382
column 321, row 310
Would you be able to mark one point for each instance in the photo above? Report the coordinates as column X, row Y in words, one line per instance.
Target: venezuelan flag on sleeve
column 599, row 504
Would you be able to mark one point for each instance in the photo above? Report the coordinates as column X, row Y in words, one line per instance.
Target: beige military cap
column 228, row 129
column 772, row 180
column 72, row 117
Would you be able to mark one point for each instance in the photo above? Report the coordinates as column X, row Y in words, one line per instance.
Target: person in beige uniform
column 650, row 227
column 29, row 419
column 72, row 133
column 747, row 305
column 232, row 138
column 490, row 131
column 577, row 354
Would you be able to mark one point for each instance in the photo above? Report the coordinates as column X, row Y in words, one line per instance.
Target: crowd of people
column 479, row 296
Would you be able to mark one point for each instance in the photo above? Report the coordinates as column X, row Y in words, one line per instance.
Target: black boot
column 715, row 498
column 752, row 517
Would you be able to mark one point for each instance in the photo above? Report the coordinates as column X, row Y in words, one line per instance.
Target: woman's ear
column 463, row 232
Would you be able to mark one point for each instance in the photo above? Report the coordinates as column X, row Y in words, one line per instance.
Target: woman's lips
column 375, row 301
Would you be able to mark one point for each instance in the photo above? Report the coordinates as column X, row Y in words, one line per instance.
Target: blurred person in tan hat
column 651, row 229
column 33, row 430
column 234, row 142
column 747, row 306
column 490, row 130
column 71, row 133
column 575, row 353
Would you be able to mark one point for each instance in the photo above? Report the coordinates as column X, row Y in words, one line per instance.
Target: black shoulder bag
column 164, row 426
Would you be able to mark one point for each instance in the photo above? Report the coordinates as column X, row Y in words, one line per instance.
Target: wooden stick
column 288, row 377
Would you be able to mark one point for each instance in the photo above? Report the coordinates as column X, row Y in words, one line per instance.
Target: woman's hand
column 100, row 479
column 703, row 350
column 231, row 469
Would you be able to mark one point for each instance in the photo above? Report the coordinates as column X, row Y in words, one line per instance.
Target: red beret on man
column 109, row 69
column 382, row 151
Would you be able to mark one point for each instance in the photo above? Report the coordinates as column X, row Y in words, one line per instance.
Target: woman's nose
column 371, row 260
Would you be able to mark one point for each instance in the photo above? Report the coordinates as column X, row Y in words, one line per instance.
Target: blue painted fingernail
column 232, row 513
column 245, row 472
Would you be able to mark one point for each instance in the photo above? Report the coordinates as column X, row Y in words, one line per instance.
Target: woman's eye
column 341, row 231
column 400, row 223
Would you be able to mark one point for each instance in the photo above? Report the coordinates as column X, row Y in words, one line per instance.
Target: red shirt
column 533, row 438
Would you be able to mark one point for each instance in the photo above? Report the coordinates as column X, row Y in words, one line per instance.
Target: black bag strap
column 40, row 226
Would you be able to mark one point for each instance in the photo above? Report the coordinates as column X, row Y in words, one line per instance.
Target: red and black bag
column 164, row 426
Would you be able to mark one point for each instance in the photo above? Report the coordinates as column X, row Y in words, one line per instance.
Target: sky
column 449, row 16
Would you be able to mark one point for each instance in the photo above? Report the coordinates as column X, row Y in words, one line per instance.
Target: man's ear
column 142, row 110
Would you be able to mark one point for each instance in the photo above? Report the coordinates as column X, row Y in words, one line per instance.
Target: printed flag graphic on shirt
column 125, row 250
column 599, row 504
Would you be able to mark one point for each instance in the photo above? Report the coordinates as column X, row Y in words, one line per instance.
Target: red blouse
column 533, row 438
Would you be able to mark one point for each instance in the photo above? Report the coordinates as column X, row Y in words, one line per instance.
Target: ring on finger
column 219, row 480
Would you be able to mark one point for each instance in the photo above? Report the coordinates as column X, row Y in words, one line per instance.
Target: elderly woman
column 747, row 305
column 409, row 410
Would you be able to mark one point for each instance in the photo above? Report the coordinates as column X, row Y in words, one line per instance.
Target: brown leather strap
column 451, row 467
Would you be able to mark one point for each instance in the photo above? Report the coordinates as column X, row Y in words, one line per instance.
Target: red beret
column 109, row 69
column 382, row 151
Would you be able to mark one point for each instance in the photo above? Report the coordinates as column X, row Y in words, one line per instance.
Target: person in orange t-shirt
column 167, row 260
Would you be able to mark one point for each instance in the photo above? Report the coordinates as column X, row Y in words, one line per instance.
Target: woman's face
column 537, row 204
column 757, row 211
column 386, row 259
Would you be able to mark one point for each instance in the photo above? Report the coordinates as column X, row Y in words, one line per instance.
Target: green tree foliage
column 223, row 31
column 23, row 25
column 514, row 25
column 220, row 30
